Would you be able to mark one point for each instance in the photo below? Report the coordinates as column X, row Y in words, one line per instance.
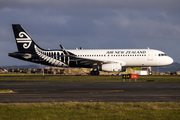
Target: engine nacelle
column 111, row 67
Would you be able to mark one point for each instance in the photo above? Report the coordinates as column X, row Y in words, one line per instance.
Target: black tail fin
column 23, row 40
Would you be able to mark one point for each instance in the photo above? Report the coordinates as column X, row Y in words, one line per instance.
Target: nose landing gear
column 150, row 71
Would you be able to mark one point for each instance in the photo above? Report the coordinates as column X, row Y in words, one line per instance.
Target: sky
column 92, row 24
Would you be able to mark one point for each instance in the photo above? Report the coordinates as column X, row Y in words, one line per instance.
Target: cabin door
column 150, row 55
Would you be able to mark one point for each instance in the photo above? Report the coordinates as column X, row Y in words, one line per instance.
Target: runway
column 90, row 92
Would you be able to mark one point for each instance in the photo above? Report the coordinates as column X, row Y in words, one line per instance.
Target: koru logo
column 24, row 38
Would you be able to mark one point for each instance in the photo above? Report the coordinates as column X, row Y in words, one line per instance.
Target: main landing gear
column 94, row 72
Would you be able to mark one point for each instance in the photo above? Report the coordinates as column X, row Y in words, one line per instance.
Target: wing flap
column 92, row 61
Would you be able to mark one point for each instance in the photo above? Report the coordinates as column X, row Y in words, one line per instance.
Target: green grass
column 90, row 79
column 18, row 74
column 6, row 91
column 89, row 111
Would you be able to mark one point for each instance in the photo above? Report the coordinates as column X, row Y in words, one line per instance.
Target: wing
column 89, row 61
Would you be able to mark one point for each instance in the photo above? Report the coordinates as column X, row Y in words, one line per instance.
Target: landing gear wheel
column 150, row 73
column 94, row 72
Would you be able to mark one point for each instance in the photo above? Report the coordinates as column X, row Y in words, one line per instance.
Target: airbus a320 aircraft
column 111, row 60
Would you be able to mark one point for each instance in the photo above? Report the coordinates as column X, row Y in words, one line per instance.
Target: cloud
column 93, row 23
column 172, row 5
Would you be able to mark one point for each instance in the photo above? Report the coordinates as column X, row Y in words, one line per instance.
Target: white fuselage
column 128, row 57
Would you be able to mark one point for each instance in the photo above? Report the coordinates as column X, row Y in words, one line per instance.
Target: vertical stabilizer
column 23, row 40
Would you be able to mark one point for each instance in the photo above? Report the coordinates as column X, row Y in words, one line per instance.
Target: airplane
column 109, row 60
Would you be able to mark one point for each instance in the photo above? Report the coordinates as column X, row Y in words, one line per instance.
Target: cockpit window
column 162, row 55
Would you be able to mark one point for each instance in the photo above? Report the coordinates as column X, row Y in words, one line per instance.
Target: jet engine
column 112, row 67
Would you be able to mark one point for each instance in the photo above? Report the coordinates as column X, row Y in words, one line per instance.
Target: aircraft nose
column 170, row 60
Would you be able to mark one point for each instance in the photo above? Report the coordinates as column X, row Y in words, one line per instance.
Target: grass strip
column 6, row 91
column 88, row 111
column 90, row 79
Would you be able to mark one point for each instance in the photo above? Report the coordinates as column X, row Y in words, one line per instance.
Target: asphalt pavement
column 24, row 92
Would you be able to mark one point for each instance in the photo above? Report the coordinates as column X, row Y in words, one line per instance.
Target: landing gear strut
column 94, row 72
column 150, row 71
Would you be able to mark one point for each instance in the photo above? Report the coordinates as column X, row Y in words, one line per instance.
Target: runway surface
column 90, row 92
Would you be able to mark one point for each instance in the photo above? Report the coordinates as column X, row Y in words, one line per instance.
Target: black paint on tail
column 23, row 40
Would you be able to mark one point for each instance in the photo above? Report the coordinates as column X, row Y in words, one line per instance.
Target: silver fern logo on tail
column 51, row 60
column 24, row 38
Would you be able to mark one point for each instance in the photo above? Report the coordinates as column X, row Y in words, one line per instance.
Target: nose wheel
column 150, row 73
